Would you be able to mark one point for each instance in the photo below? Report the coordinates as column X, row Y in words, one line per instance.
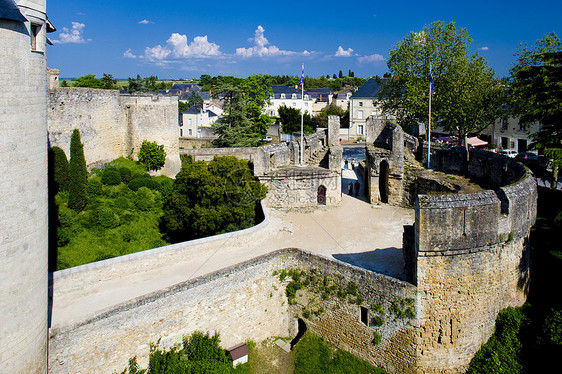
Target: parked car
column 508, row 152
column 267, row 139
column 531, row 158
column 527, row 156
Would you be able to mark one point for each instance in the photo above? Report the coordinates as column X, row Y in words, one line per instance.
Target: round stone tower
column 23, row 186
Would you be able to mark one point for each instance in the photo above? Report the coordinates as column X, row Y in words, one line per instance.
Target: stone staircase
column 318, row 156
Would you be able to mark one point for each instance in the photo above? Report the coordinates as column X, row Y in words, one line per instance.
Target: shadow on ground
column 387, row 261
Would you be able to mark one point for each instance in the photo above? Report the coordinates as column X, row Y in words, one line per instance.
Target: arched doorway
column 383, row 181
column 301, row 329
column 321, row 195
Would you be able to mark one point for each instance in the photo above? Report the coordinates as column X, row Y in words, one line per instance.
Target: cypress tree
column 60, row 166
column 78, row 174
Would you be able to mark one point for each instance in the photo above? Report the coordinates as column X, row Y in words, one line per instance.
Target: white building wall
column 23, row 186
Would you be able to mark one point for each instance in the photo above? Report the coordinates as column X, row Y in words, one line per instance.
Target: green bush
column 144, row 199
column 140, row 180
column 501, row 354
column 553, row 327
column 198, row 353
column 152, row 155
column 125, row 174
column 211, row 198
column 107, row 218
column 94, row 187
column 110, row 176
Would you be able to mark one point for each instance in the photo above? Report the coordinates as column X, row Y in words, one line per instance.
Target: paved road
column 354, row 232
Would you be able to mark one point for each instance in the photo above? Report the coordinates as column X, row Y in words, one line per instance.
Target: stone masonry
column 113, row 125
column 23, row 217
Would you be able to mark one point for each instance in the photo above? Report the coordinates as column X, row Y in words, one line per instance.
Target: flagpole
column 302, row 115
column 429, row 120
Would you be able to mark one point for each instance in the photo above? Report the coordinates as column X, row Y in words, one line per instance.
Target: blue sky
column 185, row 39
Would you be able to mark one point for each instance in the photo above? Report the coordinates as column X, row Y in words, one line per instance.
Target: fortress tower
column 23, row 185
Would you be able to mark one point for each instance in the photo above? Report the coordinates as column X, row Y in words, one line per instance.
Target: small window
column 293, row 96
column 282, row 96
column 294, row 103
column 360, row 103
column 360, row 114
column 190, row 132
column 504, row 124
column 181, row 132
column 34, row 34
column 360, row 130
column 365, row 316
column 306, row 97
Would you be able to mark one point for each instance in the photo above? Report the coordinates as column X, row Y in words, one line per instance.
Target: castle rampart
column 245, row 301
column 113, row 125
column 468, row 254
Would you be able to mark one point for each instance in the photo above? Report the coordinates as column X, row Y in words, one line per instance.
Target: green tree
column 152, row 155
column 78, row 174
column 211, row 198
column 108, row 82
column 243, row 123
column 194, row 99
column 137, row 84
column 291, row 120
column 89, row 80
column 536, row 94
column 466, row 96
column 321, row 119
column 182, row 107
column 64, row 83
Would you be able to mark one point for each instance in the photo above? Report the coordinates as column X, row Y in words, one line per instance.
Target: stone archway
column 383, row 181
column 321, row 195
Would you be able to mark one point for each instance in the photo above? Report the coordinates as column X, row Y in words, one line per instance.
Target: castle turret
column 23, row 186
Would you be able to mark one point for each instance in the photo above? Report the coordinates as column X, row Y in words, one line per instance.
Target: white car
column 508, row 152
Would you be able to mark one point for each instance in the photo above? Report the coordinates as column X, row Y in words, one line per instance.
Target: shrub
column 78, row 174
column 125, row 174
column 94, row 187
column 152, row 155
column 502, row 351
column 107, row 218
column 144, row 199
column 553, row 327
column 141, row 180
column 110, row 176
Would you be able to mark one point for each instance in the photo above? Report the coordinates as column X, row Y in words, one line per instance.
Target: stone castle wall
column 245, row 301
column 469, row 256
column 113, row 125
column 23, row 217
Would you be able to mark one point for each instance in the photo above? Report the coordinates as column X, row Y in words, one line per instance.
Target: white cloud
column 344, row 52
column 483, row 49
column 178, row 47
column 200, row 47
column 72, row 36
column 129, row 54
column 371, row 58
column 156, row 53
column 261, row 47
column 145, row 22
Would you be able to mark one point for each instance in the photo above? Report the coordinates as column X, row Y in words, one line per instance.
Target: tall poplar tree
column 78, row 174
